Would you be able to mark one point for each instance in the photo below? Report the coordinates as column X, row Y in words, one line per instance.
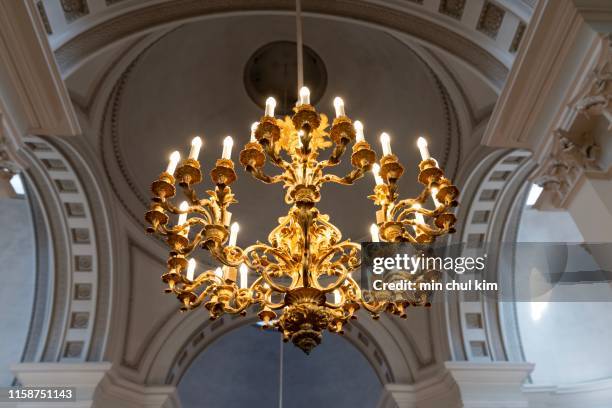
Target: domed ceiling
column 191, row 82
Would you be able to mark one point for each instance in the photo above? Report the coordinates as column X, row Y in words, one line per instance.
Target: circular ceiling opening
column 272, row 71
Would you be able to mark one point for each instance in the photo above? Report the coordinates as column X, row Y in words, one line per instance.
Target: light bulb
column 337, row 297
column 174, row 159
column 300, row 135
column 304, row 96
column 184, row 206
column 418, row 217
column 374, row 233
column 244, row 270
column 228, row 143
column 196, row 144
column 339, row 106
column 270, row 105
column 219, row 272
column 434, row 193
column 376, row 171
column 385, row 140
column 359, row 137
column 253, row 130
column 233, row 234
column 422, row 144
column 191, row 265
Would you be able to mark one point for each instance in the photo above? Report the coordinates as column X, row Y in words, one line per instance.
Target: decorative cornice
column 147, row 18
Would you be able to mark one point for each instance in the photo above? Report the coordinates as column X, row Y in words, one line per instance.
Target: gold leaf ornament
column 289, row 137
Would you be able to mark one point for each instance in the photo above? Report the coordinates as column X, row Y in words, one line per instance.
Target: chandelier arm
column 186, row 293
column 231, row 256
column 432, row 231
column 336, row 155
column 338, row 248
column 264, row 295
column 266, row 301
column 208, row 276
column 375, row 308
column 347, row 180
column 237, row 295
column 177, row 229
column 345, row 258
column 407, row 236
column 335, row 285
column 275, row 158
column 264, row 269
column 409, row 202
column 411, row 210
column 260, row 175
column 266, row 250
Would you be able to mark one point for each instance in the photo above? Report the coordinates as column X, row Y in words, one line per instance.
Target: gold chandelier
column 303, row 283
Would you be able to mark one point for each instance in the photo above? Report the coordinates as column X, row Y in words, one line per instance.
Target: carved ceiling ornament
column 490, row 20
column 74, row 9
column 572, row 152
column 595, row 99
column 571, row 155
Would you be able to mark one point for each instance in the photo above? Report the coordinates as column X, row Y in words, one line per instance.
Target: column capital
column 438, row 391
column 490, row 385
column 85, row 377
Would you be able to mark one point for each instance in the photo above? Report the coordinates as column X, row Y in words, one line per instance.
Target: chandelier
column 303, row 281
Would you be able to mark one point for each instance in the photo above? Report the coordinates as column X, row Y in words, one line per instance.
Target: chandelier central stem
column 299, row 41
column 306, row 219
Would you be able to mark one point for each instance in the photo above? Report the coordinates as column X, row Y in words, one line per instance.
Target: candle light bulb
column 191, row 266
column 174, row 159
column 270, row 105
column 184, row 206
column 196, row 144
column 244, row 270
column 376, row 171
column 434, row 193
column 339, row 106
column 233, row 234
column 385, row 140
column 422, row 144
column 337, row 297
column 304, row 96
column 418, row 217
column 359, row 137
column 253, row 130
column 228, row 143
column 219, row 272
column 374, row 233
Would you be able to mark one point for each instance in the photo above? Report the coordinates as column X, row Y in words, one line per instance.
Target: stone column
column 491, row 385
column 591, row 207
column 84, row 377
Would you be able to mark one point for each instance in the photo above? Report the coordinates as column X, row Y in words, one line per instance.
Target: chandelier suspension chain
column 299, row 42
